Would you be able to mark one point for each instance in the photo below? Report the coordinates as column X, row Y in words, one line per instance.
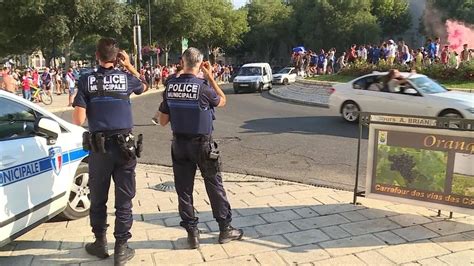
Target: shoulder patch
column 182, row 91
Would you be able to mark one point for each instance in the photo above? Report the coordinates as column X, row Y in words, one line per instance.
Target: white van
column 253, row 77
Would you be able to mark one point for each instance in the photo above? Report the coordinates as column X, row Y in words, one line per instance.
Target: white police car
column 43, row 168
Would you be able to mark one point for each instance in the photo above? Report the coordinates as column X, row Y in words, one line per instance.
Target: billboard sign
column 422, row 166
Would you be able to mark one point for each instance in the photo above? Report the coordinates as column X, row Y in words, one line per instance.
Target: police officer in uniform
column 188, row 103
column 103, row 98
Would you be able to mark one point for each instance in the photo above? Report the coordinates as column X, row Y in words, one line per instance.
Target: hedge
column 465, row 72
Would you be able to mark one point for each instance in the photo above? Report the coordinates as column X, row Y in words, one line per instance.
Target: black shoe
column 193, row 238
column 98, row 248
column 230, row 233
column 122, row 253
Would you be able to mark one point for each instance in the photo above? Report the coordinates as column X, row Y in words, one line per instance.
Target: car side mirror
column 49, row 128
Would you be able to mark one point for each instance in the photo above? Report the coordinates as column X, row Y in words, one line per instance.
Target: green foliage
column 457, row 9
column 209, row 24
column 270, row 25
column 429, row 171
column 57, row 23
column 328, row 23
column 393, row 16
column 465, row 72
column 463, row 185
column 171, row 20
column 360, row 68
column 84, row 48
column 219, row 25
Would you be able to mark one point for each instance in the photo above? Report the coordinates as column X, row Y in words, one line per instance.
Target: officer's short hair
column 107, row 49
column 192, row 56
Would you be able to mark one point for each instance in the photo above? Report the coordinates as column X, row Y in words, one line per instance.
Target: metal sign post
column 137, row 41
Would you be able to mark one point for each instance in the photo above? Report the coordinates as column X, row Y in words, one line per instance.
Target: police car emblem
column 56, row 156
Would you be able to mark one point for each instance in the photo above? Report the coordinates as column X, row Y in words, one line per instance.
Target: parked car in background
column 43, row 168
column 420, row 96
column 285, row 76
column 253, row 77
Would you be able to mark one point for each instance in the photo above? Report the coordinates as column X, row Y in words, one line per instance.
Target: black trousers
column 103, row 166
column 187, row 154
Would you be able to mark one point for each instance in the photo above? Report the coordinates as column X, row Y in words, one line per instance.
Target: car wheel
column 349, row 111
column 270, row 86
column 260, row 87
column 79, row 199
column 236, row 91
column 452, row 114
column 285, row 82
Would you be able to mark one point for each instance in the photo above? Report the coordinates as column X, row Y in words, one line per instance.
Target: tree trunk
column 67, row 53
column 167, row 50
column 47, row 57
column 207, row 52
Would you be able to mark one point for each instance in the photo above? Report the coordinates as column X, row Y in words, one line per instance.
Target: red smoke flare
column 459, row 34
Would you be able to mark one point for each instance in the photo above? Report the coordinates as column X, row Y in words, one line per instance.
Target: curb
column 317, row 82
column 297, row 101
column 67, row 108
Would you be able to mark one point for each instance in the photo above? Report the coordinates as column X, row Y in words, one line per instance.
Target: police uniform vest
column 109, row 108
column 187, row 115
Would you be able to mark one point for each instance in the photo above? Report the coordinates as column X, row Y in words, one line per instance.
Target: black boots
column 98, row 248
column 193, row 237
column 122, row 253
column 229, row 233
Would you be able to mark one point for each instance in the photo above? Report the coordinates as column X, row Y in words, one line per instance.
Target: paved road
column 261, row 135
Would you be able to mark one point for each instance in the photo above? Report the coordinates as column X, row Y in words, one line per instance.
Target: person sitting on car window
column 393, row 81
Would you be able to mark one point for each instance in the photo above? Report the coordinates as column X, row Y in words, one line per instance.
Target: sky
column 239, row 3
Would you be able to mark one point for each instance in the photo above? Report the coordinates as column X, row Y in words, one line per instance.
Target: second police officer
column 188, row 104
column 104, row 99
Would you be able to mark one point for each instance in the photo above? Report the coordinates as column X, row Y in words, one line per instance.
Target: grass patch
column 464, row 85
column 332, row 78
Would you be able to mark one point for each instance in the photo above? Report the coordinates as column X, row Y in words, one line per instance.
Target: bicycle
column 42, row 96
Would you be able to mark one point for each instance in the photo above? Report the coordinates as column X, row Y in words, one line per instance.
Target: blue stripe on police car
column 30, row 169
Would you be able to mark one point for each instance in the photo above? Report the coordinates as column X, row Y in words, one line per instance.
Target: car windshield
column 285, row 70
column 427, row 85
column 250, row 71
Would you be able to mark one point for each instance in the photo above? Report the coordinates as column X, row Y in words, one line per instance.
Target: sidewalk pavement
column 304, row 92
column 285, row 223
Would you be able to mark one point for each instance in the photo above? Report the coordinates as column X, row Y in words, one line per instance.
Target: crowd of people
column 54, row 80
column 309, row 63
column 159, row 74
column 58, row 81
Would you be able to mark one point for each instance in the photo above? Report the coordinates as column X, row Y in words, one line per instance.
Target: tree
column 84, row 48
column 334, row 23
column 52, row 24
column 270, row 24
column 171, row 20
column 393, row 16
column 218, row 26
column 456, row 9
